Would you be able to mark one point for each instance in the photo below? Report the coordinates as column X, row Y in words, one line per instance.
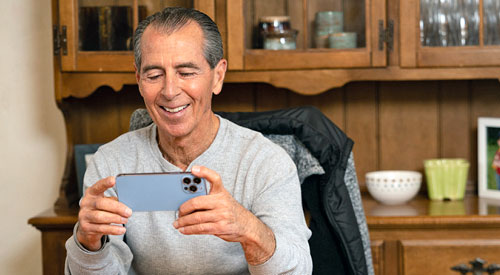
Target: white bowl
column 393, row 187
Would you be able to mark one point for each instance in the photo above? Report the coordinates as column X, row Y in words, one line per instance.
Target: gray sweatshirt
column 258, row 173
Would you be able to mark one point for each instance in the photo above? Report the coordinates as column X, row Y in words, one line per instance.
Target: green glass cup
column 446, row 178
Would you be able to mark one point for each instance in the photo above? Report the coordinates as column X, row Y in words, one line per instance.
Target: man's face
column 176, row 81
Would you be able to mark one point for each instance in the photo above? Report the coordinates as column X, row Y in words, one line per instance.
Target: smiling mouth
column 175, row 110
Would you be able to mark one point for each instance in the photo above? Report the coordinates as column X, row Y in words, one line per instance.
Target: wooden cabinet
column 428, row 237
column 96, row 36
column 422, row 237
column 406, row 239
column 388, row 44
column 360, row 17
column 449, row 33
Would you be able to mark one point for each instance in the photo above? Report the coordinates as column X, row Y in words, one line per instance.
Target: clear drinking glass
column 491, row 10
column 445, row 23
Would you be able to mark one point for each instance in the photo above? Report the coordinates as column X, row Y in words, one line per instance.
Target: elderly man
column 252, row 219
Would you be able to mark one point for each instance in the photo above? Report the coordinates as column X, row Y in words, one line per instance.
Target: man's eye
column 154, row 77
column 186, row 74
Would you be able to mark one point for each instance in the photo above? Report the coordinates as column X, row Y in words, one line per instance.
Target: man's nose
column 171, row 87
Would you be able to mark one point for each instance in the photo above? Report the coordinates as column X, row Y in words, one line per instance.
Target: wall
column 32, row 132
column 395, row 125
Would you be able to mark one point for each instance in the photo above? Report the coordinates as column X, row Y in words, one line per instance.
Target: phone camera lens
column 197, row 180
column 193, row 188
column 186, row 180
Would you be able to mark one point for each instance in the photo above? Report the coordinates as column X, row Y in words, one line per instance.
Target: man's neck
column 182, row 151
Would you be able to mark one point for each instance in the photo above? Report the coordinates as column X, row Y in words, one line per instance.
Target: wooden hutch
column 398, row 99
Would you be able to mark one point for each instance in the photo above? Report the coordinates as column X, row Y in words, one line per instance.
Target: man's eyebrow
column 190, row 65
column 151, row 67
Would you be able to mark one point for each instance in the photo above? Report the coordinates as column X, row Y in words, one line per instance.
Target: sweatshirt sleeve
column 115, row 256
column 279, row 206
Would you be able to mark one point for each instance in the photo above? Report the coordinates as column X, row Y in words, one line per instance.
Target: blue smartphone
column 158, row 191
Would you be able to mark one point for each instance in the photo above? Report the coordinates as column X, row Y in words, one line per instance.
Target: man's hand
column 221, row 215
column 97, row 213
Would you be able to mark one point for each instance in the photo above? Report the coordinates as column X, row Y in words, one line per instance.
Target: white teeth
column 175, row 110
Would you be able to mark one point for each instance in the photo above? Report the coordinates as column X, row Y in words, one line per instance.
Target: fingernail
column 124, row 220
column 176, row 224
column 128, row 211
column 195, row 169
column 181, row 229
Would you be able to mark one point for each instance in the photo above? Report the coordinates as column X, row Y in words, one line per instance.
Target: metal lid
column 275, row 18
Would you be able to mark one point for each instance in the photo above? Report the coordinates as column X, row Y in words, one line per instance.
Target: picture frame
column 83, row 155
column 488, row 206
column 488, row 137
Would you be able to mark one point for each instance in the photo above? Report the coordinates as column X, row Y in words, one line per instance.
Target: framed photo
column 489, row 206
column 488, row 131
column 83, row 155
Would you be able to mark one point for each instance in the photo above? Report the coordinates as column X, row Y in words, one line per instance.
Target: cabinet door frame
column 414, row 55
column 105, row 61
column 240, row 58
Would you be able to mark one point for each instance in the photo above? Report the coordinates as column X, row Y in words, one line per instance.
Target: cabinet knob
column 477, row 267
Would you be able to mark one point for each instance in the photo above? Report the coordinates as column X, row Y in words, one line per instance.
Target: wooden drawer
column 438, row 256
column 377, row 247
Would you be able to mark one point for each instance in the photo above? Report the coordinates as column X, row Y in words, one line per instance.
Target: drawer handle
column 477, row 267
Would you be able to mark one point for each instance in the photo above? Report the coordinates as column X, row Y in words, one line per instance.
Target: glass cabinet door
column 99, row 32
column 296, row 34
column 450, row 33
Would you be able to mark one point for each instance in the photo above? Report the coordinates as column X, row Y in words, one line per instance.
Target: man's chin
column 173, row 131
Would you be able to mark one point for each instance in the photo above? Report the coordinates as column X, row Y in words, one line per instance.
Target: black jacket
column 336, row 245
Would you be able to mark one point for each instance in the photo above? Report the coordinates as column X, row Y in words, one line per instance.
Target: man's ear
column 219, row 74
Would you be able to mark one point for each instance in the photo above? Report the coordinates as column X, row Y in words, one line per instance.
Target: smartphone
column 158, row 191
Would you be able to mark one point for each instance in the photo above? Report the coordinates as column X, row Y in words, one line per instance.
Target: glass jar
column 271, row 24
column 285, row 40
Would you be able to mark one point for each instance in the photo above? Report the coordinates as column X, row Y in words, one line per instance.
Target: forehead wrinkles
column 186, row 43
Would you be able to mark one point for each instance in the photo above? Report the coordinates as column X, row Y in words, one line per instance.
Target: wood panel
column 330, row 103
column 235, row 98
column 361, row 126
column 127, row 104
column 454, row 119
column 377, row 247
column 54, row 251
column 220, row 20
column 395, row 125
column 102, row 116
column 484, row 102
column 408, row 124
column 455, row 122
column 235, row 35
column 269, row 98
column 438, row 256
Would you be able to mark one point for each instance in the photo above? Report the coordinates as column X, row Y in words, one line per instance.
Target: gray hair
column 172, row 19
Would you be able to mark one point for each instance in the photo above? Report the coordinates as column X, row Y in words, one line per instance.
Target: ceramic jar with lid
column 285, row 40
column 271, row 26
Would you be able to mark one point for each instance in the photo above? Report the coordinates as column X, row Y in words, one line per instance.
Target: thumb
column 211, row 176
column 102, row 185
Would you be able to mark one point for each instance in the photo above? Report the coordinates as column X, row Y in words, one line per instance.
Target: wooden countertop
column 421, row 212
column 417, row 213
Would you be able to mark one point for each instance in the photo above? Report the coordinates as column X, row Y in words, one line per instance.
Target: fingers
column 201, row 229
column 197, row 204
column 102, row 217
column 111, row 204
column 216, row 185
column 200, row 217
column 102, row 229
column 99, row 187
